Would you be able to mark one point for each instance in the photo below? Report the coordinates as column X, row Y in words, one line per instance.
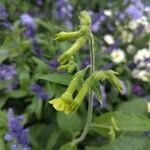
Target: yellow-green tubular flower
column 59, row 104
column 70, row 67
column 110, row 76
column 85, row 19
column 99, row 75
column 62, row 36
column 65, row 57
column 64, row 102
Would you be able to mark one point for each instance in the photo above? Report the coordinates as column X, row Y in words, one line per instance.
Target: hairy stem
column 90, row 100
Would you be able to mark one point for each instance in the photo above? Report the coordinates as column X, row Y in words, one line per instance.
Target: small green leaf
column 97, row 91
column 69, row 146
column 3, row 100
column 17, row 94
column 70, row 123
column 56, row 78
column 3, row 119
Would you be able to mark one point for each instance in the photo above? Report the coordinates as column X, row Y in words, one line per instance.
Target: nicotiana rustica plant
column 67, row 102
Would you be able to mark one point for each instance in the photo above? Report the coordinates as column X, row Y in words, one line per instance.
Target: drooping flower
column 118, row 56
column 17, row 132
column 7, row 72
column 38, row 90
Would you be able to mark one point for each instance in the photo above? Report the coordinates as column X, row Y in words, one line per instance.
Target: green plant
column 66, row 102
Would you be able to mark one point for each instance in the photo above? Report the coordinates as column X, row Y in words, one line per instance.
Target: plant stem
column 90, row 100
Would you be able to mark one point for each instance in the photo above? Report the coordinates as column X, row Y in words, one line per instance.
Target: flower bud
column 75, row 47
column 85, row 19
column 62, row 36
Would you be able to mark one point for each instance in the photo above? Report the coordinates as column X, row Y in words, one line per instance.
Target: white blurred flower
column 126, row 37
column 118, row 56
column 130, row 49
column 148, row 107
column 140, row 74
column 108, row 12
column 141, row 56
column 108, row 39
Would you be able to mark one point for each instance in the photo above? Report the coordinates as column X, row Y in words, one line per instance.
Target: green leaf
column 125, row 143
column 97, row 91
column 136, row 105
column 39, row 134
column 3, row 119
column 69, row 123
column 36, row 107
column 3, row 100
column 2, row 144
column 56, row 78
column 53, row 139
column 3, row 55
column 69, row 146
column 17, row 94
column 124, row 121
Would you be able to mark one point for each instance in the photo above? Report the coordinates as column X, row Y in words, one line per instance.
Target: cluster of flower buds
column 66, row 102
column 66, row 60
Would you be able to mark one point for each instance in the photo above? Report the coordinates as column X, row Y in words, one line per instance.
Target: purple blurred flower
column 135, row 10
column 7, row 72
column 3, row 13
column 98, row 18
column 30, row 25
column 17, row 131
column 147, row 133
column 64, row 11
column 38, row 90
column 4, row 18
column 137, row 89
column 86, row 62
column 36, row 48
column 53, row 64
column 28, row 21
column 124, row 88
column 39, row 2
column 104, row 97
column 12, row 86
column 107, row 66
column 139, row 30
